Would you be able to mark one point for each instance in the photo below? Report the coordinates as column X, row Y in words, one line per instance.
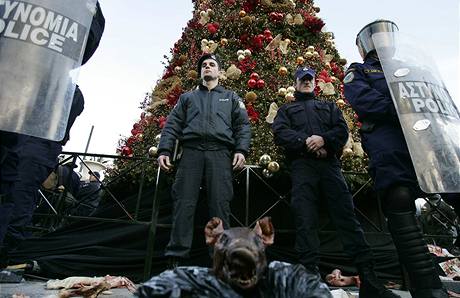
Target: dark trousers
column 215, row 168
column 314, row 179
column 18, row 208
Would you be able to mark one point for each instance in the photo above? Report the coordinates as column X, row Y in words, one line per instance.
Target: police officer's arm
column 285, row 136
column 337, row 136
column 240, row 125
column 171, row 131
column 368, row 103
column 95, row 34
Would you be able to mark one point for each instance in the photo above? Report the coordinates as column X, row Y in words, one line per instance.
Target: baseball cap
column 301, row 72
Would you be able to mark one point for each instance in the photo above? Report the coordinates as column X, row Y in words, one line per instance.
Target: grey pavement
column 36, row 289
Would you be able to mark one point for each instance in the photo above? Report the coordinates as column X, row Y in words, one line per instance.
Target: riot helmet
column 364, row 38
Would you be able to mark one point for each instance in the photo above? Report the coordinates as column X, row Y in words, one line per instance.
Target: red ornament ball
column 260, row 84
column 126, row 151
column 254, row 76
column 252, row 83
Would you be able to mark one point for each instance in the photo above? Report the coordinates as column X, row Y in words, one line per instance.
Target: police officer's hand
column 321, row 153
column 238, row 161
column 314, row 143
column 165, row 164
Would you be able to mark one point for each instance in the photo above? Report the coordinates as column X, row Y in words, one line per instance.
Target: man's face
column 305, row 84
column 209, row 70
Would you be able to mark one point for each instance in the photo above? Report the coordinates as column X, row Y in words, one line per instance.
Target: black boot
column 414, row 255
column 371, row 286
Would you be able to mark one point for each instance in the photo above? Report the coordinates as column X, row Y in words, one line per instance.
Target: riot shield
column 41, row 47
column 429, row 118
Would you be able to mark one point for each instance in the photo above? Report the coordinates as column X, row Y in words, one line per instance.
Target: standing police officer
column 390, row 165
column 29, row 160
column 312, row 132
column 213, row 128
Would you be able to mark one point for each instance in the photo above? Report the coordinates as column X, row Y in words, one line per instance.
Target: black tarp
column 87, row 248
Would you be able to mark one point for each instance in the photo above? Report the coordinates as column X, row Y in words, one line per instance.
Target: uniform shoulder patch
column 349, row 77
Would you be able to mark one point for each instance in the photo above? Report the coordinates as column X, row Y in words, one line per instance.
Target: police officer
column 390, row 165
column 213, row 128
column 312, row 131
column 31, row 159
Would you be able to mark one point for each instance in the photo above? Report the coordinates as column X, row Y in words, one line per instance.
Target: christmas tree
column 261, row 43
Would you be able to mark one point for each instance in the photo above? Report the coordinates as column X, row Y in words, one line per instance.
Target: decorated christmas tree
column 261, row 43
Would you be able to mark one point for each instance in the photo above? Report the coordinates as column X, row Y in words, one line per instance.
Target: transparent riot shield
column 41, row 47
column 429, row 118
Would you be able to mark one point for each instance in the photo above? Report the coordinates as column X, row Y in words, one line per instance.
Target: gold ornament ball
column 210, row 12
column 153, row 151
column 177, row 69
column 250, row 97
column 223, row 42
column 242, row 13
column 240, row 52
column 316, row 9
column 340, row 103
column 192, row 74
column 311, row 49
column 343, row 61
column 266, row 173
column 241, row 57
column 157, row 138
column 308, row 55
column 247, row 20
column 203, row 13
column 265, row 160
column 290, row 89
column 300, row 60
column 247, row 52
column 140, row 137
column 282, row 91
column 315, row 54
column 273, row 167
column 282, row 71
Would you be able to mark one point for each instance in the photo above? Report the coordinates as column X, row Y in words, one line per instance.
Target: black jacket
column 306, row 116
column 207, row 120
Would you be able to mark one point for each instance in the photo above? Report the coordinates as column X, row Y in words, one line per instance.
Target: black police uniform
column 313, row 178
column 382, row 138
column 211, row 125
column 392, row 171
column 30, row 160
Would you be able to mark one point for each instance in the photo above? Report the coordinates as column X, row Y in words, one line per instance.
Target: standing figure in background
column 88, row 196
column 390, row 164
column 212, row 126
column 312, row 132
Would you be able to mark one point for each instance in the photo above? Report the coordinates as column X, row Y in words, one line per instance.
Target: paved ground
column 36, row 289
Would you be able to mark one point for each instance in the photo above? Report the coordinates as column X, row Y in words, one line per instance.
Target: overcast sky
column 137, row 35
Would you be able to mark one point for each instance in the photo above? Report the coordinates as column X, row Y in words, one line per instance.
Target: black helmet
column 208, row 56
column 364, row 38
